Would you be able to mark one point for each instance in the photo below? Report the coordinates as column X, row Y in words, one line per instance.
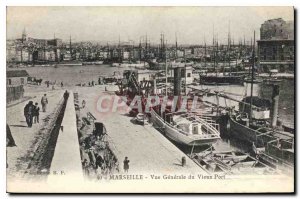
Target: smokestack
column 275, row 101
column 177, row 81
column 155, row 87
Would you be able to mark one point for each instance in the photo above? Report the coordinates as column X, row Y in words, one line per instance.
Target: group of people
column 92, row 83
column 32, row 111
column 53, row 84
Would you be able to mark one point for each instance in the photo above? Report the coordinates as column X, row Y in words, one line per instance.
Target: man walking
column 126, row 165
column 28, row 113
column 36, row 113
column 44, row 102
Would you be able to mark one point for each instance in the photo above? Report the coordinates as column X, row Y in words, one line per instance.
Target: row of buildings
column 275, row 49
column 27, row 49
column 31, row 50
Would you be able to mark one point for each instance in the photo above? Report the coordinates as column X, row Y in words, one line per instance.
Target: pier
column 66, row 162
column 146, row 148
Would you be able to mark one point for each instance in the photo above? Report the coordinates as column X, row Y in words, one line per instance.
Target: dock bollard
column 183, row 161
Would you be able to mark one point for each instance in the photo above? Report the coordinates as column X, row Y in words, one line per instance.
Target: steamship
column 185, row 129
column 239, row 124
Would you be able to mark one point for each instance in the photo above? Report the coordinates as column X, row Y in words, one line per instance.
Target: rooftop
column 16, row 73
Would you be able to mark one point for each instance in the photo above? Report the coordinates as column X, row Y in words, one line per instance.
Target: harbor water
column 72, row 75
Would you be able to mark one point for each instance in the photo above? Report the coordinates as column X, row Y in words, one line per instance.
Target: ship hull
column 174, row 135
column 209, row 80
column 241, row 131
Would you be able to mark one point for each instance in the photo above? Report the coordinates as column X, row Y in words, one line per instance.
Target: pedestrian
column 183, row 161
column 28, row 113
column 99, row 161
column 47, row 82
column 36, row 113
column 126, row 165
column 10, row 142
column 44, row 102
column 62, row 84
column 83, row 103
column 66, row 95
column 85, row 166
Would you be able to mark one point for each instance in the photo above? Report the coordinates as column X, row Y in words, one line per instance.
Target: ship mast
column 217, row 43
column 184, row 72
column 252, row 76
column 166, row 67
column 71, row 47
column 120, row 50
column 146, row 53
column 176, row 55
column 204, row 52
column 228, row 48
column 140, row 50
column 161, row 47
column 214, row 49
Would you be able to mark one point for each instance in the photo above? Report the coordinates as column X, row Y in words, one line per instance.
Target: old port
column 145, row 112
column 83, row 136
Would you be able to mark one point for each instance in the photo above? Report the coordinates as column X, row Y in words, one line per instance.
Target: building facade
column 28, row 50
column 16, row 77
column 276, row 46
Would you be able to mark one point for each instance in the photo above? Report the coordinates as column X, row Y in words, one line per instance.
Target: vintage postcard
column 150, row 99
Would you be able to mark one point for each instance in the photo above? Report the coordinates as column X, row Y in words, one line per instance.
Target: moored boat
column 229, row 162
column 279, row 154
column 186, row 129
column 92, row 63
column 115, row 64
column 221, row 79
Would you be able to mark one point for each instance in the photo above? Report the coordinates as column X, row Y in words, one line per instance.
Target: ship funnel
column 177, row 81
column 275, row 101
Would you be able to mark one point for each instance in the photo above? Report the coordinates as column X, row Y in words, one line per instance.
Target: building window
column 9, row 81
column 274, row 53
column 182, row 73
column 189, row 75
column 22, row 80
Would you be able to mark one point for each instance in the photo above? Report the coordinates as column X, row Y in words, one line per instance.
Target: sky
column 192, row 25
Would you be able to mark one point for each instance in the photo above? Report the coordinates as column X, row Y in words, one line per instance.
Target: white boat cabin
column 188, row 127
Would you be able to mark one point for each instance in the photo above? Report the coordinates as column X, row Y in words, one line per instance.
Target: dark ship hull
column 219, row 80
